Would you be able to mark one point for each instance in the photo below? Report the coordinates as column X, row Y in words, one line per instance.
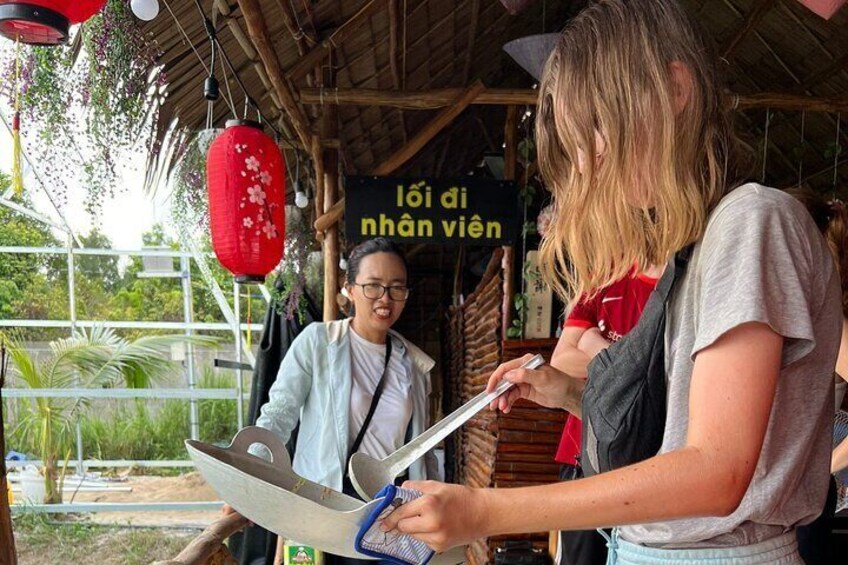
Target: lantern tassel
column 17, row 170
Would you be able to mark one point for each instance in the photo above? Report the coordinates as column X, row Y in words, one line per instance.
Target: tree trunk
column 53, row 494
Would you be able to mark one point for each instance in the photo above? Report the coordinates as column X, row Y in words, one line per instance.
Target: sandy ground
column 189, row 487
column 184, row 488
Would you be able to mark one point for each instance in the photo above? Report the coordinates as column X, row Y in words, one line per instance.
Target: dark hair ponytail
column 831, row 217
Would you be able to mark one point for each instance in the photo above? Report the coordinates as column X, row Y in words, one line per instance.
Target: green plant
column 289, row 290
column 187, row 184
column 218, row 418
column 88, row 359
column 84, row 105
column 520, row 301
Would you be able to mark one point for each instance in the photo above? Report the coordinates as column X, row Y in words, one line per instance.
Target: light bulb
column 145, row 9
column 300, row 199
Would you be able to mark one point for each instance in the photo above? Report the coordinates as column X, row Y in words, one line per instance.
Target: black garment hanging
column 255, row 545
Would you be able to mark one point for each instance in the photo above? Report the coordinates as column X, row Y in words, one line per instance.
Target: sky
column 123, row 219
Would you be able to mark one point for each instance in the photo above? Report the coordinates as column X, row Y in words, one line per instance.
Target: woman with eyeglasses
column 337, row 373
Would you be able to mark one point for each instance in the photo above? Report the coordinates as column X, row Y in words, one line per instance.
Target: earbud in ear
column 345, row 293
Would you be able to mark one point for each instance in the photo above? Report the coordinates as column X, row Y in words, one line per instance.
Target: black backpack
column 624, row 403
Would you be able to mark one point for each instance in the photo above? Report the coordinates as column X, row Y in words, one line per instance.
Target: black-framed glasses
column 374, row 291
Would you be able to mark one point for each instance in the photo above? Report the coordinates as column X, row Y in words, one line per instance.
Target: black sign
column 472, row 211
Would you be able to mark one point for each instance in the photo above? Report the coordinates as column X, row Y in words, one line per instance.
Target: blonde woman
column 638, row 149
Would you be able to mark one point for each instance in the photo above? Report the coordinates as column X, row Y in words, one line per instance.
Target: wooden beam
column 755, row 14
column 331, row 217
column 414, row 100
column 445, row 117
column 793, row 102
column 258, row 31
column 510, row 171
column 315, row 55
column 440, row 98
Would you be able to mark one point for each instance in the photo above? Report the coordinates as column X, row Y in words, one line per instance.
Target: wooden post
column 318, row 163
column 209, row 542
column 329, row 130
column 7, row 537
column 510, row 167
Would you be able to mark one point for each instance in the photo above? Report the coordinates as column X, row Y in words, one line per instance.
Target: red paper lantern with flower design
column 44, row 22
column 824, row 8
column 246, row 179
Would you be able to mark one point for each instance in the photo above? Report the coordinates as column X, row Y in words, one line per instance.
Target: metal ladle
column 370, row 475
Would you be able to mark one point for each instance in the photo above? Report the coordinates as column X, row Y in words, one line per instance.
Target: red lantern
column 247, row 188
column 824, row 8
column 44, row 22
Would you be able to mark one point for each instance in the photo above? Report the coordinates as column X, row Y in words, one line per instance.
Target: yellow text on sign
column 406, row 226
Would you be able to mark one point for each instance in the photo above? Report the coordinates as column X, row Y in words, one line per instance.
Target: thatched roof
column 771, row 46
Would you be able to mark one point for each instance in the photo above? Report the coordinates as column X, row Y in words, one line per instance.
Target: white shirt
column 387, row 431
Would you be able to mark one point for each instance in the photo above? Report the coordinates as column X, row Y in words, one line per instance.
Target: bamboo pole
column 318, row 164
column 429, row 131
column 258, row 31
column 510, row 167
column 414, row 100
column 329, row 128
column 440, row 98
column 7, row 536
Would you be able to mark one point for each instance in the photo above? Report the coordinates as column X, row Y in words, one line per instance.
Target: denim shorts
column 781, row 550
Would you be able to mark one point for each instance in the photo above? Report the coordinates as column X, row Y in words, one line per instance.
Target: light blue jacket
column 313, row 386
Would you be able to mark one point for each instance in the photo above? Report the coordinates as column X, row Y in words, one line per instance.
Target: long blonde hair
column 610, row 73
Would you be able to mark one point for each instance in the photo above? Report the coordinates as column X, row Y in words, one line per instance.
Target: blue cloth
column 313, row 387
column 393, row 547
column 15, row 456
column 781, row 550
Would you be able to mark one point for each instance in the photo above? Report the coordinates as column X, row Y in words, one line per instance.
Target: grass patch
column 41, row 539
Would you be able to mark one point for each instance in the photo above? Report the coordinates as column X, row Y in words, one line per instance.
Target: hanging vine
column 86, row 105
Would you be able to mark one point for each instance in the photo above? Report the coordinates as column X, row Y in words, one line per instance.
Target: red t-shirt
column 615, row 310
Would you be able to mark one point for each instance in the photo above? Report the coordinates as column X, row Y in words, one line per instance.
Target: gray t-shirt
column 761, row 259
